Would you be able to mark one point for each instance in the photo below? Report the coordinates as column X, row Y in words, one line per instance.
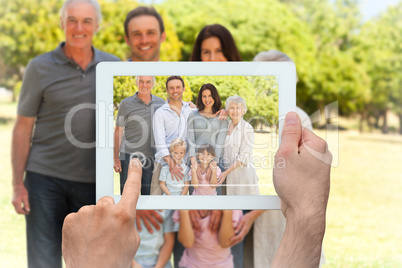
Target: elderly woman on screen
column 241, row 177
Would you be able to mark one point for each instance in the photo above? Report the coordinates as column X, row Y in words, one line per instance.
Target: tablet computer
column 270, row 94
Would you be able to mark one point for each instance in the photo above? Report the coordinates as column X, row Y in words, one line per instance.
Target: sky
column 372, row 8
column 368, row 8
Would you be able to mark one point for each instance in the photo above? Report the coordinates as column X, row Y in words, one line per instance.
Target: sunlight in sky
column 372, row 8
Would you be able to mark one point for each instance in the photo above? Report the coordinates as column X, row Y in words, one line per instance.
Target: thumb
column 291, row 133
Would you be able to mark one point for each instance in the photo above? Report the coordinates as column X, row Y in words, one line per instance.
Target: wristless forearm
column 303, row 237
column 19, row 156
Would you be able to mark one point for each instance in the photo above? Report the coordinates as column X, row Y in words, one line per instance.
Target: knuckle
column 85, row 209
column 283, row 152
column 124, row 217
column 291, row 131
column 322, row 144
column 69, row 219
column 105, row 201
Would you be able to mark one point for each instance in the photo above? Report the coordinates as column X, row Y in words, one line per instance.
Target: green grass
column 364, row 215
column 12, row 226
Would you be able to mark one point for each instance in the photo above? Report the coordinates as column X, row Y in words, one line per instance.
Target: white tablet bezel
column 105, row 71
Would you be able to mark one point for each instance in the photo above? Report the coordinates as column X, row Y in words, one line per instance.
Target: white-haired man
column 57, row 109
column 134, row 119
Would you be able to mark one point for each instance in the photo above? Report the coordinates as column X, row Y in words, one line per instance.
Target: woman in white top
column 241, row 177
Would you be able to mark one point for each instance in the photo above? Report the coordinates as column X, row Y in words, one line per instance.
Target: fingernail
column 292, row 118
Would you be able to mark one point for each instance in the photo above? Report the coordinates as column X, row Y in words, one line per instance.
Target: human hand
column 104, row 235
column 20, row 199
column 196, row 167
column 215, row 220
column 302, row 170
column 213, row 165
column 222, row 114
column 192, row 105
column 242, row 229
column 195, row 215
column 149, row 217
column 135, row 264
column 222, row 177
column 117, row 165
column 175, row 170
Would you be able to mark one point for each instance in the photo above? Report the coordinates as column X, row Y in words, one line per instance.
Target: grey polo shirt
column 136, row 118
column 53, row 86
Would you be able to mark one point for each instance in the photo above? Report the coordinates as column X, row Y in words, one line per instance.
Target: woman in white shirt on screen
column 241, row 177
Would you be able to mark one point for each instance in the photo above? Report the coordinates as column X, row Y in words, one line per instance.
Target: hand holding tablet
column 99, row 235
column 302, row 181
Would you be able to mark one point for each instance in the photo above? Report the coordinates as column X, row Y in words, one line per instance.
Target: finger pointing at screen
column 105, row 229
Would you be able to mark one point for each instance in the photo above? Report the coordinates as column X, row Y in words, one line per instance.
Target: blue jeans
column 147, row 170
column 51, row 199
column 238, row 254
column 178, row 251
column 238, row 250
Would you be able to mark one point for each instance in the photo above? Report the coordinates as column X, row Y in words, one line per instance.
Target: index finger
column 132, row 187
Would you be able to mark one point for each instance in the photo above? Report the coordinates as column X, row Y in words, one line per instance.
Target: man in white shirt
column 169, row 123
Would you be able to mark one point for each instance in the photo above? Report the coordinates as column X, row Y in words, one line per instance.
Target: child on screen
column 205, row 176
column 169, row 184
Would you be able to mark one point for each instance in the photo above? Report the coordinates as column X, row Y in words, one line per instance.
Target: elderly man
column 134, row 118
column 57, row 106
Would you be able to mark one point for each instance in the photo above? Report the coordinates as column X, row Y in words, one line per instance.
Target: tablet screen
column 262, row 92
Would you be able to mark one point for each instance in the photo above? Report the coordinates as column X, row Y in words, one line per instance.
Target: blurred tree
column 260, row 94
column 337, row 75
column 378, row 48
column 27, row 29
column 30, row 28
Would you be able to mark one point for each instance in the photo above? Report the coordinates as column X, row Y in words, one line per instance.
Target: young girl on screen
column 205, row 174
column 203, row 247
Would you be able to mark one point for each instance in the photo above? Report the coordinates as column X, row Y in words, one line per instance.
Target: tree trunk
column 370, row 123
column 363, row 116
column 400, row 123
column 377, row 120
column 385, row 123
column 321, row 108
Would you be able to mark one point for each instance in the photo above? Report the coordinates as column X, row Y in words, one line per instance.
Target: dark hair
column 225, row 37
column 206, row 147
column 174, row 77
column 215, row 95
column 140, row 11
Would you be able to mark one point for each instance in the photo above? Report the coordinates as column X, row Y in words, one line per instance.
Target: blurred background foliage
column 338, row 56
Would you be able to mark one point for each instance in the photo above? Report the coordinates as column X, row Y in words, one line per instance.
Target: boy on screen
column 170, row 185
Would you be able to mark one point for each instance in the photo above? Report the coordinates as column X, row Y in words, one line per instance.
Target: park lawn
column 363, row 219
column 12, row 226
column 364, row 215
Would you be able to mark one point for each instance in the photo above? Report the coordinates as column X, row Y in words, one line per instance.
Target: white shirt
column 167, row 126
